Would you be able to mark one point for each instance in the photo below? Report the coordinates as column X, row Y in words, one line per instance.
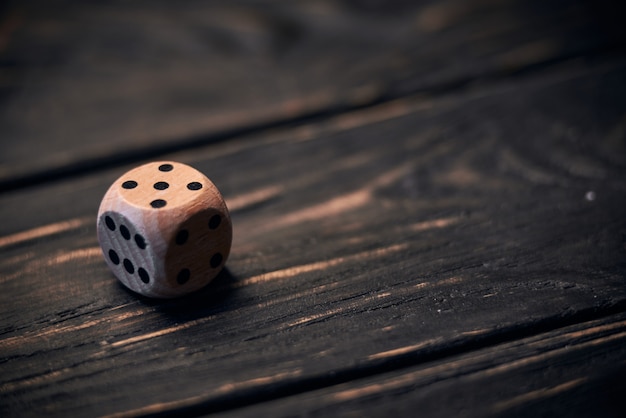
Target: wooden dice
column 164, row 229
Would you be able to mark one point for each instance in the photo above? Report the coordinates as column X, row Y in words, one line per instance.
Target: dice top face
column 162, row 185
column 164, row 229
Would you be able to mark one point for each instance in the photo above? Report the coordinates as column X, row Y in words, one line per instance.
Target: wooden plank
column 424, row 225
column 91, row 84
column 576, row 371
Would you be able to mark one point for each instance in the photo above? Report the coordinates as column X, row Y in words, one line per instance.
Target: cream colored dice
column 164, row 229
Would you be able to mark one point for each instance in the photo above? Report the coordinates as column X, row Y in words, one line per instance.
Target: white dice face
column 126, row 252
column 164, row 229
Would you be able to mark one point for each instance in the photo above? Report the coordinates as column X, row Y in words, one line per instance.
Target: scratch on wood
column 21, row 384
column 330, row 207
column 537, row 394
column 476, row 332
column 340, row 204
column 22, row 340
column 122, row 306
column 379, row 113
column 390, row 176
column 259, row 381
column 225, row 389
column 327, row 286
column 576, row 335
column 20, row 258
column 43, row 231
column 375, row 388
column 594, row 330
column 316, row 316
column 75, row 255
column 253, row 198
column 160, row 333
column 404, row 350
column 56, row 260
column 292, row 296
column 55, row 330
column 450, row 280
column 435, row 223
column 332, row 312
column 319, row 265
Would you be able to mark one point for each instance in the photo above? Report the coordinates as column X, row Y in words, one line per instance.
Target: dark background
column 427, row 200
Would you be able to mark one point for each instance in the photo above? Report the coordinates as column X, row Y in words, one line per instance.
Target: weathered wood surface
column 385, row 238
column 557, row 373
column 89, row 83
column 461, row 252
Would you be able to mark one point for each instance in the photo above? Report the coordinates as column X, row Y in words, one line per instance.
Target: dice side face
column 127, row 252
column 180, row 219
column 199, row 250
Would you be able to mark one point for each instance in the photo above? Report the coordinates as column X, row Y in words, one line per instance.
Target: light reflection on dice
column 164, row 229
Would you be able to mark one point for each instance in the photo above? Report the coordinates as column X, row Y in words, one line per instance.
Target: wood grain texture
column 85, row 84
column 575, row 371
column 424, row 229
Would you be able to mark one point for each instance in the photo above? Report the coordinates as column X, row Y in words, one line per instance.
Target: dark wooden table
column 428, row 201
